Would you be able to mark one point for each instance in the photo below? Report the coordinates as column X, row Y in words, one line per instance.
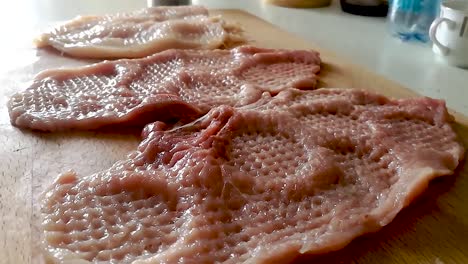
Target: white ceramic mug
column 449, row 33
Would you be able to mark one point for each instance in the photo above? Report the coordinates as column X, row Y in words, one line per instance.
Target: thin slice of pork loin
column 135, row 91
column 141, row 33
column 306, row 172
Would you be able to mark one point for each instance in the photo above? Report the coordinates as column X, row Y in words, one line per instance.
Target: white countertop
column 361, row 40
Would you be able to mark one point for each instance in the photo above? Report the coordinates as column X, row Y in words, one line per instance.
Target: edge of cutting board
column 348, row 74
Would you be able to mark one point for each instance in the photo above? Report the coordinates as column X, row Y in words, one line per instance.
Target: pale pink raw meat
column 304, row 172
column 159, row 87
column 141, row 33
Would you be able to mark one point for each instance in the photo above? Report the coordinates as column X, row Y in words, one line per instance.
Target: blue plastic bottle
column 410, row 19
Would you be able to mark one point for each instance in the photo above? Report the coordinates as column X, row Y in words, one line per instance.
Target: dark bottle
column 375, row 8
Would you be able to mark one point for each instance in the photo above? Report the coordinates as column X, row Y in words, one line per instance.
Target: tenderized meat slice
column 141, row 33
column 140, row 91
column 305, row 172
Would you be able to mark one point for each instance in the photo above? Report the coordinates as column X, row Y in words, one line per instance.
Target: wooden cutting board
column 434, row 229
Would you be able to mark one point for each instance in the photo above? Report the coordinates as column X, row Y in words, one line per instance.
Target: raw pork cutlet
column 304, row 173
column 140, row 91
column 140, row 33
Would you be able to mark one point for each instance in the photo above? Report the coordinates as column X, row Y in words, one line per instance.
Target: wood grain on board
column 434, row 229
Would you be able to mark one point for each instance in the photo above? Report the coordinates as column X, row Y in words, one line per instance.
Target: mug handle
column 433, row 29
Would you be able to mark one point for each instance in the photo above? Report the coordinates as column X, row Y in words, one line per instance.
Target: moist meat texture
column 140, row 33
column 169, row 85
column 304, row 172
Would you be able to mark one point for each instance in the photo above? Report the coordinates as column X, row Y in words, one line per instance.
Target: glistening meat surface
column 168, row 85
column 140, row 33
column 304, row 172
